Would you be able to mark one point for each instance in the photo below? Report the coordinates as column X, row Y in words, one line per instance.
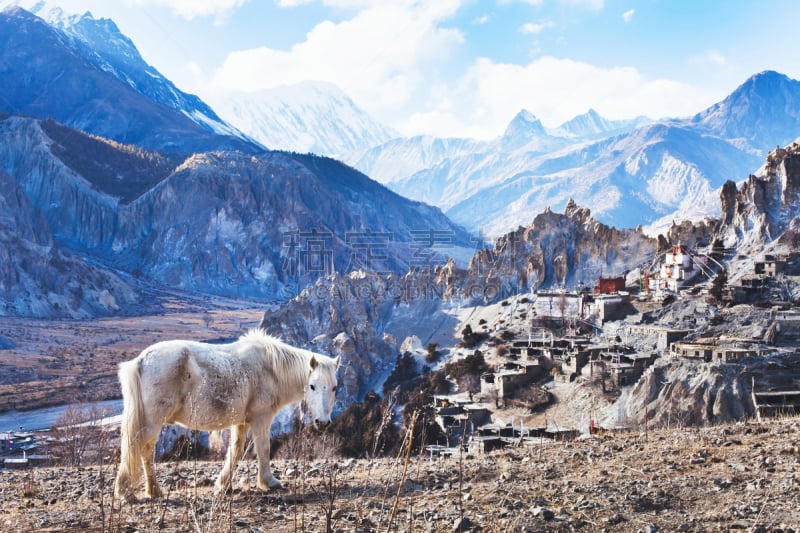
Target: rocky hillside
column 343, row 315
column 365, row 317
column 681, row 393
column 256, row 226
column 40, row 278
column 740, row 476
column 560, row 250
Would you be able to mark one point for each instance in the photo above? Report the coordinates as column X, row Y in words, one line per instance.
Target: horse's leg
column 128, row 472
column 266, row 480
column 152, row 489
column 235, row 452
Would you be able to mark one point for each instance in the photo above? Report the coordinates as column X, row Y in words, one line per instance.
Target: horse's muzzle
column 320, row 424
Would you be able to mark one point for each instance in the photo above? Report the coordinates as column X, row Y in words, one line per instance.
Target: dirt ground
column 744, row 476
column 55, row 362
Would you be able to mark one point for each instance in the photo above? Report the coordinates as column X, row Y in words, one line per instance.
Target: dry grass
column 743, row 475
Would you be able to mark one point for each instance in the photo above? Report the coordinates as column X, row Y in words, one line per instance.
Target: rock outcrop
column 679, row 392
column 40, row 278
column 569, row 249
column 766, row 204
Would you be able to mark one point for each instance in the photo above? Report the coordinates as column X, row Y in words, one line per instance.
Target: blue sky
column 466, row 67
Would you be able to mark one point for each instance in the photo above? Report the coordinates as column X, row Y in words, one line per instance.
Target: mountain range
column 107, row 151
column 106, row 164
column 633, row 172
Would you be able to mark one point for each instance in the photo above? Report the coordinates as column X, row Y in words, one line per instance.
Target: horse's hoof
column 129, row 498
column 272, row 484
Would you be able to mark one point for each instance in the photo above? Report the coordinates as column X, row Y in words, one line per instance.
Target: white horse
column 214, row 386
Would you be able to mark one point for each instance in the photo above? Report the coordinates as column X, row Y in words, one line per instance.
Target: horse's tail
column 133, row 420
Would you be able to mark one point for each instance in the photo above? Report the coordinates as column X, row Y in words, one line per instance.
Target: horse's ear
column 313, row 362
column 338, row 360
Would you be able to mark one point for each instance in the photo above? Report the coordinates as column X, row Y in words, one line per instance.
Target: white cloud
column 350, row 4
column 388, row 55
column 377, row 56
column 709, row 57
column 628, row 15
column 483, row 19
column 588, row 4
column 535, row 3
column 293, row 3
column 536, row 27
column 190, row 9
column 488, row 96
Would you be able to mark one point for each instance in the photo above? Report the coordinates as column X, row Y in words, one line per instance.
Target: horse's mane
column 259, row 335
column 283, row 357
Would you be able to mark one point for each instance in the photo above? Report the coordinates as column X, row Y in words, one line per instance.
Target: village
column 603, row 340
column 557, row 337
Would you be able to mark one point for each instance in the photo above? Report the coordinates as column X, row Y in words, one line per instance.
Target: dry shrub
column 79, row 436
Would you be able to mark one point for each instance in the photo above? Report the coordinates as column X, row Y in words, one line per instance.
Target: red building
column 609, row 285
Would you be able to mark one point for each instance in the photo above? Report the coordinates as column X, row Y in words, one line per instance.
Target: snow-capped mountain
column 84, row 73
column 591, row 125
column 314, row 117
column 630, row 172
column 400, row 158
column 652, row 172
column 762, row 113
column 526, row 130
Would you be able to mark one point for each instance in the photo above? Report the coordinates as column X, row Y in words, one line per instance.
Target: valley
column 57, row 362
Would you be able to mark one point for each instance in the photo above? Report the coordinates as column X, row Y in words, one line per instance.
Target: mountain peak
column 525, row 125
column 768, row 75
column 741, row 115
column 310, row 116
column 72, row 65
column 588, row 125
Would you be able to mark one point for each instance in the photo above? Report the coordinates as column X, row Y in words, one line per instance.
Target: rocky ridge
column 257, row 226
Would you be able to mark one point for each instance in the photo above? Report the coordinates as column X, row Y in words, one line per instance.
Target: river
column 38, row 419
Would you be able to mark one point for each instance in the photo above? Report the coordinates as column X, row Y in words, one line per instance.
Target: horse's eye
column 312, row 387
column 335, row 387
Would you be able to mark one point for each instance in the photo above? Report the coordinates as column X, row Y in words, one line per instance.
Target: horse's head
column 321, row 390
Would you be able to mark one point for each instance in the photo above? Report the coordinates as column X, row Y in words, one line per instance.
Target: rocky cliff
column 365, row 316
column 680, row 392
column 40, row 278
column 767, row 204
